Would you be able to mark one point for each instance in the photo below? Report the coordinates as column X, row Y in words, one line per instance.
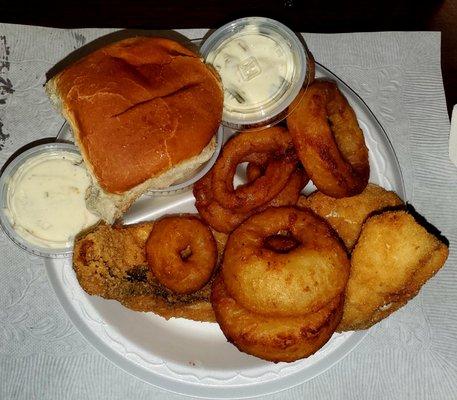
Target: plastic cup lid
column 262, row 64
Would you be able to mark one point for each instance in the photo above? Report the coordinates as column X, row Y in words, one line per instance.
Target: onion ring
column 285, row 261
column 181, row 253
column 329, row 141
column 225, row 220
column 272, row 338
column 277, row 143
column 254, row 170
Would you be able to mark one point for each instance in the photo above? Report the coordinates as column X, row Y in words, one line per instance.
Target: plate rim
column 216, row 391
column 242, row 391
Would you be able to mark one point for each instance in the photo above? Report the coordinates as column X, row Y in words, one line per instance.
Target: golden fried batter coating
column 111, row 262
column 274, row 338
column 182, row 253
column 279, row 295
column 265, row 279
column 276, row 142
column 329, row 141
column 107, row 255
column 226, row 220
column 346, row 215
column 392, row 259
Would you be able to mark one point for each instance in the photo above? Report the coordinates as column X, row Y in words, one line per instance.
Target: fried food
column 329, row 141
column 392, row 259
column 219, row 218
column 262, row 160
column 302, row 201
column 254, row 170
column 347, row 215
column 182, row 253
column 279, row 295
column 226, row 220
column 111, row 262
column 284, row 261
column 277, row 144
column 221, row 240
column 274, row 338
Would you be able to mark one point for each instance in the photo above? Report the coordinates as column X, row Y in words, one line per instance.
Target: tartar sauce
column 255, row 68
column 46, row 199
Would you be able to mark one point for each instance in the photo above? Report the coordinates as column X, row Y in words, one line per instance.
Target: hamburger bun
column 144, row 112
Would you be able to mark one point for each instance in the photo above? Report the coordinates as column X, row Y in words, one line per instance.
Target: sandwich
column 144, row 112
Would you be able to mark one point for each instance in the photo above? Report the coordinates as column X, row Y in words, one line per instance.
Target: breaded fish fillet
column 392, row 259
column 111, row 262
column 346, row 215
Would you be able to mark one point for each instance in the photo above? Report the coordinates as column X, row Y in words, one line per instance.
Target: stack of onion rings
column 272, row 171
column 280, row 292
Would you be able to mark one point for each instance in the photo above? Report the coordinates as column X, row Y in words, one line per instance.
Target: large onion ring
column 285, row 261
column 277, row 143
column 329, row 141
column 182, row 253
column 272, row 338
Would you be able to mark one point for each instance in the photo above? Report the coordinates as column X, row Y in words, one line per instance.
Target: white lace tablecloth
column 411, row 355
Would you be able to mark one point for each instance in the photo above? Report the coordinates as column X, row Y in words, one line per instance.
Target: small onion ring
column 274, row 141
column 329, row 141
column 182, row 253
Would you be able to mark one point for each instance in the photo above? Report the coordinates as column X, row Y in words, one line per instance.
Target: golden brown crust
column 274, row 142
column 138, row 107
column 271, row 338
column 261, row 275
column 226, row 220
column 198, row 310
column 182, row 253
column 279, row 295
column 392, row 259
column 347, row 215
column 329, row 141
column 111, row 262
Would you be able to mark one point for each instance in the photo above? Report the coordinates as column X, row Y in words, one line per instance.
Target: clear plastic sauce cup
column 262, row 65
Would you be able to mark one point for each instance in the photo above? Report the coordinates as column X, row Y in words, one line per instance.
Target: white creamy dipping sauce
column 46, row 199
column 255, row 68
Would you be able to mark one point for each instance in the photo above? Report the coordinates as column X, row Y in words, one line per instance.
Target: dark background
column 305, row 16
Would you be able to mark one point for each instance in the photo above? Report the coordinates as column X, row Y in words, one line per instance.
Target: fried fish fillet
column 346, row 215
column 111, row 262
column 394, row 256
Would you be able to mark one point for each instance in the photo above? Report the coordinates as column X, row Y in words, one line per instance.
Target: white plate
column 194, row 358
